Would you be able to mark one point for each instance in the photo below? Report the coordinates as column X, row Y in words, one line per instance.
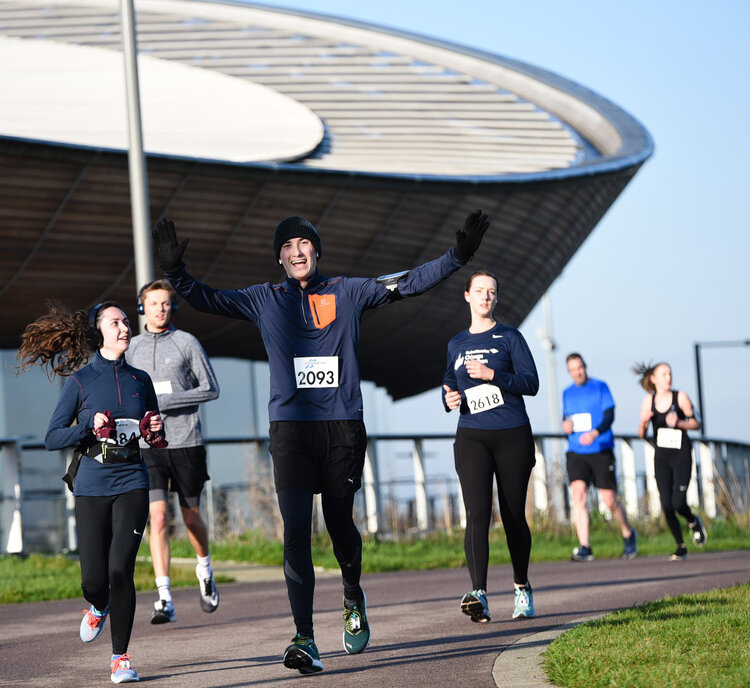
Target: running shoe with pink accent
column 122, row 671
column 93, row 623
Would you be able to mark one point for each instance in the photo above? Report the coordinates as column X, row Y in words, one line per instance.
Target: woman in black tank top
column 671, row 437
column 670, row 413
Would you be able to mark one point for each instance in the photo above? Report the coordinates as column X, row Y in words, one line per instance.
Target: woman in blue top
column 670, row 412
column 104, row 407
column 489, row 370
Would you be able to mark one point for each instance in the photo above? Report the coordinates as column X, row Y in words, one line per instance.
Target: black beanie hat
column 291, row 228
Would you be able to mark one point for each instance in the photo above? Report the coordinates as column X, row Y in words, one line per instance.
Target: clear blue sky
column 668, row 264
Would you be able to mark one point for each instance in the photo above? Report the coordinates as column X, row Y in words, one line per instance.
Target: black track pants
column 481, row 457
column 109, row 534
column 296, row 511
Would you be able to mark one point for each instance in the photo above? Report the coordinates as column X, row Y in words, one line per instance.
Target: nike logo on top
column 497, row 336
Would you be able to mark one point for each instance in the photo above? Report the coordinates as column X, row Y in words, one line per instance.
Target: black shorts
column 322, row 456
column 178, row 470
column 598, row 468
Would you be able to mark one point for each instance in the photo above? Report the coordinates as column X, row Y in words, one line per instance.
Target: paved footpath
column 420, row 638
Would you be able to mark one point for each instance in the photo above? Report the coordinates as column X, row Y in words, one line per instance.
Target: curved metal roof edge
column 367, row 179
column 637, row 146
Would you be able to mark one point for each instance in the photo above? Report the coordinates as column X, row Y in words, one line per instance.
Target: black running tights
column 672, row 475
column 296, row 511
column 481, row 457
column 109, row 534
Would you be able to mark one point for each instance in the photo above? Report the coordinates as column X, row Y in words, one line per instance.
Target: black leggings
column 672, row 473
column 296, row 510
column 508, row 457
column 109, row 534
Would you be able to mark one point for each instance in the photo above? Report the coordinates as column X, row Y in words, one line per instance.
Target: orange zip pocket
column 323, row 307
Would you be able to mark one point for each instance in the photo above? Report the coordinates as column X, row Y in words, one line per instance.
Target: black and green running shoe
column 356, row 628
column 303, row 655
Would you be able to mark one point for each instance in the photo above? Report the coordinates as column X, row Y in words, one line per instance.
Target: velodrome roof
column 384, row 140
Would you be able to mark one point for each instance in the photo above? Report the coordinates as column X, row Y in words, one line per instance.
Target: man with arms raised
column 310, row 328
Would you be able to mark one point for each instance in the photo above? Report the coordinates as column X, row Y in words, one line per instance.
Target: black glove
column 168, row 251
column 469, row 238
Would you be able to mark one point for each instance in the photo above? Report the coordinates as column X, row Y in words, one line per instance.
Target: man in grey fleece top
column 183, row 378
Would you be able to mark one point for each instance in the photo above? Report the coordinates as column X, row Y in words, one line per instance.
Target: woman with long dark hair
column 490, row 368
column 671, row 414
column 104, row 408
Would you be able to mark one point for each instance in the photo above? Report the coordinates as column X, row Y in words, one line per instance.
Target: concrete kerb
column 520, row 665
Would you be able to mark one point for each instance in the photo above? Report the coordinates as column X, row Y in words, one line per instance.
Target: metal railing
column 37, row 510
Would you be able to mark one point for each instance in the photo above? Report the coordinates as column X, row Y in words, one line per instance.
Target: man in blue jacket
column 310, row 329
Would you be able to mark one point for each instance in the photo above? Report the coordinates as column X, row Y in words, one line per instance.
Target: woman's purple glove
column 152, row 439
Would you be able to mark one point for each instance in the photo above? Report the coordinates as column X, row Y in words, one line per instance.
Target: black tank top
column 659, row 420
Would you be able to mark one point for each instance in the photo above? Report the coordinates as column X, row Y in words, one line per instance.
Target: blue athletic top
column 592, row 398
column 101, row 385
column 311, row 335
column 503, row 349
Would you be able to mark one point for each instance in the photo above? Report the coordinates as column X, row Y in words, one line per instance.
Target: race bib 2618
column 483, row 398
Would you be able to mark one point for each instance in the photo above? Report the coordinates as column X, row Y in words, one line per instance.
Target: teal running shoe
column 356, row 629
column 524, row 599
column 122, row 671
column 474, row 604
column 303, row 655
column 93, row 623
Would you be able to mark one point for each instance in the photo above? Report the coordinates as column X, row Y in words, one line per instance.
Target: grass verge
column 551, row 542
column 39, row 577
column 695, row 641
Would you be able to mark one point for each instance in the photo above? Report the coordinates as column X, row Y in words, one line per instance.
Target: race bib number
column 316, row 371
column 126, row 430
column 163, row 387
column 669, row 438
column 581, row 422
column 483, row 398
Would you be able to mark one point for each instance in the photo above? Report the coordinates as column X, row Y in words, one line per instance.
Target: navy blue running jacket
column 101, row 385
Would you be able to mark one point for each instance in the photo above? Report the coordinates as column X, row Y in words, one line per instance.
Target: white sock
column 162, row 583
column 204, row 566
